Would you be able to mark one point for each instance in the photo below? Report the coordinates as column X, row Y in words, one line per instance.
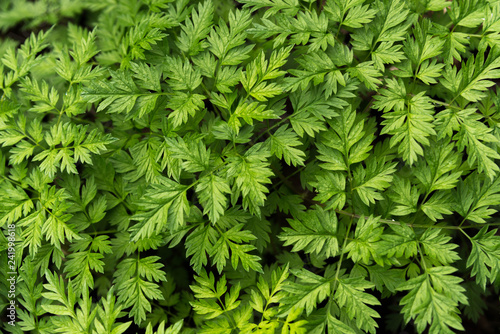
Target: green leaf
column 260, row 70
column 252, row 173
column 208, row 294
column 10, row 137
column 351, row 297
column 438, row 247
column 212, row 190
column 199, row 244
column 438, row 205
column 182, row 74
column 364, row 247
column 310, row 111
column 282, row 144
column 455, row 45
column 145, row 158
column 80, row 263
column 320, row 67
column 249, row 112
column 196, row 28
column 438, row 170
column 395, row 15
column 385, row 279
column 369, row 182
column 313, row 232
column 474, row 197
column 141, row 36
column 57, row 292
column 70, row 144
column 120, row 95
column 331, row 188
column 163, row 207
column 290, row 7
column 133, row 290
column 15, row 204
column 429, row 71
column 308, row 26
column 475, row 77
column 367, row 74
column 271, row 290
column 184, row 105
column 405, row 196
column 32, row 234
column 432, row 299
column 470, row 137
column 234, row 240
column 358, row 16
column 468, row 14
column 484, row 257
column 387, row 53
column 174, row 329
column 346, row 143
column 274, row 160
column 407, row 120
column 192, row 152
column 47, row 101
column 224, row 42
column 401, row 244
column 304, row 294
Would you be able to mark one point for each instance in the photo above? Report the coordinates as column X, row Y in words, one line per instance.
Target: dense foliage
column 266, row 166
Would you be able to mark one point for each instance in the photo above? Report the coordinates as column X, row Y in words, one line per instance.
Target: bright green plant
column 267, row 166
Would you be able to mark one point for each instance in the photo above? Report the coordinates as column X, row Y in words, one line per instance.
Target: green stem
column 346, row 238
column 285, row 178
column 448, row 105
column 344, row 244
column 422, row 259
column 395, row 222
column 368, row 106
column 272, row 127
column 103, row 232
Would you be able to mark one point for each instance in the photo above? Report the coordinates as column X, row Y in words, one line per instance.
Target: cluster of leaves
column 260, row 166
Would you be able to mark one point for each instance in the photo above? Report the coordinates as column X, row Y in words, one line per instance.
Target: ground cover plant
column 260, row 166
